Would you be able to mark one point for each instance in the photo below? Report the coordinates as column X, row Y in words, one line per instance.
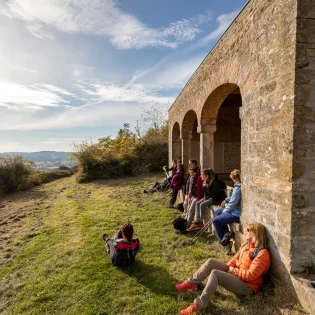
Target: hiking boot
column 105, row 237
column 228, row 248
column 191, row 309
column 226, row 238
column 185, row 286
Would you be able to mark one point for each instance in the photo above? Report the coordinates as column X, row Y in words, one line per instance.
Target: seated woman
column 242, row 275
column 122, row 248
column 230, row 211
column 214, row 194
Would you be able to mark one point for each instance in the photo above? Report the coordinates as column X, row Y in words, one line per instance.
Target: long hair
column 210, row 173
column 260, row 234
column 181, row 167
column 127, row 231
column 236, row 174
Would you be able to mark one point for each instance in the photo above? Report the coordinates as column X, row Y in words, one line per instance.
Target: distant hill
column 47, row 160
column 42, row 156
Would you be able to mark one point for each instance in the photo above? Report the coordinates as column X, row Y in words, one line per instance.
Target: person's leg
column 221, row 222
column 173, row 197
column 186, row 205
column 204, row 271
column 228, row 281
column 191, row 212
column 198, row 212
column 203, row 207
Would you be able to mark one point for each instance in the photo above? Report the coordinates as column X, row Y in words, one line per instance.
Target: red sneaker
column 192, row 308
column 185, row 286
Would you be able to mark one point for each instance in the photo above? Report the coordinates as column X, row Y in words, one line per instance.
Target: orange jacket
column 250, row 270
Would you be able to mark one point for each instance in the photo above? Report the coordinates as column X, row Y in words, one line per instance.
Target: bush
column 14, row 172
column 18, row 174
column 127, row 154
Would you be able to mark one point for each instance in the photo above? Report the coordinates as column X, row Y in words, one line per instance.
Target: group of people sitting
column 201, row 190
column 243, row 274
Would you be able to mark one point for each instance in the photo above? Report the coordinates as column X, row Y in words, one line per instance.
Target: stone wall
column 257, row 54
column 303, row 213
column 268, row 56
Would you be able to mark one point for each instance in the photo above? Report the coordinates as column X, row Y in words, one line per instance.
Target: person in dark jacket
column 176, row 183
column 214, row 194
column 122, row 248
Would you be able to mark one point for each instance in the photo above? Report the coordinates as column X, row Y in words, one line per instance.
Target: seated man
column 242, row 275
column 122, row 248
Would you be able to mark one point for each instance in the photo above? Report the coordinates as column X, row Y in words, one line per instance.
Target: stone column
column 186, row 148
column 207, row 145
column 176, row 149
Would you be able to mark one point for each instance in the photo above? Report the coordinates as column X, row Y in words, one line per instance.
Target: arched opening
column 176, row 143
column 222, row 111
column 191, row 138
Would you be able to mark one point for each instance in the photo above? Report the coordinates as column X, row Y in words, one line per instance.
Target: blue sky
column 76, row 70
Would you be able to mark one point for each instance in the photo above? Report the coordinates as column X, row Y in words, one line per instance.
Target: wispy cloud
column 100, row 18
column 31, row 97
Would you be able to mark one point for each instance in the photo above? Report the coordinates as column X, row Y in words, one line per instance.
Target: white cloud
column 122, row 93
column 100, row 18
column 38, row 31
column 224, row 22
column 30, row 97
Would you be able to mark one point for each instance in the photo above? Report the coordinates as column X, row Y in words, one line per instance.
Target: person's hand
column 205, row 184
column 223, row 203
column 231, row 270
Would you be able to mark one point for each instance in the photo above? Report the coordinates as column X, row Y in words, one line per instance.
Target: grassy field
column 53, row 259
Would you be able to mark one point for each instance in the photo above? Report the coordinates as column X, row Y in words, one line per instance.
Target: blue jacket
column 233, row 204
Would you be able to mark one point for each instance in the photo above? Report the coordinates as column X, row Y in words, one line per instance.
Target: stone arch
column 190, row 138
column 220, row 128
column 176, row 142
column 212, row 104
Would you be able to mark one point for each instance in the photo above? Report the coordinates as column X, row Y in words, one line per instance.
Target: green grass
column 62, row 266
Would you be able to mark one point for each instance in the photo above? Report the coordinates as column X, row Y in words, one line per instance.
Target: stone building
column 251, row 105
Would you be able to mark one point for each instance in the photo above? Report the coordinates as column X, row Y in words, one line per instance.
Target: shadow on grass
column 155, row 278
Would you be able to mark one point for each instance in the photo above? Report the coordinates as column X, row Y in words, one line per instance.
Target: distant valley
column 47, row 160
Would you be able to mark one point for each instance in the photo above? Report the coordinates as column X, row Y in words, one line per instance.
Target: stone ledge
column 305, row 293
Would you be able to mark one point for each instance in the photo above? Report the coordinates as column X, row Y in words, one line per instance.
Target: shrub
column 18, row 174
column 14, row 172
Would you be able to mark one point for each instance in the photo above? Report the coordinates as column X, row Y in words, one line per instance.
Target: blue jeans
column 201, row 207
column 221, row 220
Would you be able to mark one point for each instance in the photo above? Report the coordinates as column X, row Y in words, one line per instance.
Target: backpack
column 180, row 224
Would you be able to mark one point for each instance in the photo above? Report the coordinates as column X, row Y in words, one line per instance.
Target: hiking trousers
column 173, row 197
column 190, row 207
column 217, row 273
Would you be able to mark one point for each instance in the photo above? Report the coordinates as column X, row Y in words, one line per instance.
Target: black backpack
column 180, row 224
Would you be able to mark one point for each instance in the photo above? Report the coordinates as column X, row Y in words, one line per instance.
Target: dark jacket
column 173, row 169
column 125, row 251
column 216, row 191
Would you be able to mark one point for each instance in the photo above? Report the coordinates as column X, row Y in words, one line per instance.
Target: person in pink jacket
column 176, row 183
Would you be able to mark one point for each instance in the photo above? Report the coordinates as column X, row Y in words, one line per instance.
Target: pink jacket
column 200, row 193
column 177, row 181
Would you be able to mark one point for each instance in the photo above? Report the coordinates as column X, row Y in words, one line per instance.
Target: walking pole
column 200, row 232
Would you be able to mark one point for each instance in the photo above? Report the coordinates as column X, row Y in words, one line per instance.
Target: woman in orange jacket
column 242, row 275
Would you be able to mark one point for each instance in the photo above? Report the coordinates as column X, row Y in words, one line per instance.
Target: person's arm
column 259, row 266
column 118, row 235
column 234, row 200
column 232, row 262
